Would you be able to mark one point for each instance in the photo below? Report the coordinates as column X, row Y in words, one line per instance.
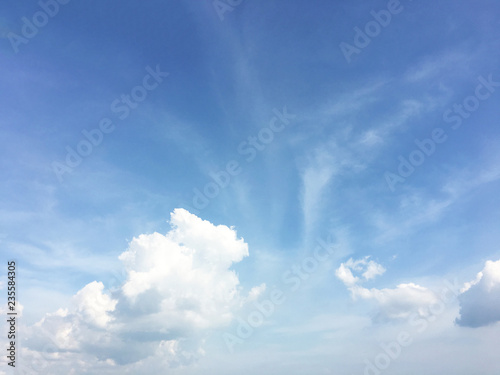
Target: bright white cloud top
column 186, row 272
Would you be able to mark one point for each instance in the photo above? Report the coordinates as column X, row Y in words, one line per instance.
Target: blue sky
column 357, row 185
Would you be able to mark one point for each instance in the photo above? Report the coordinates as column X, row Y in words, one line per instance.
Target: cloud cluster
column 369, row 269
column 400, row 302
column 179, row 286
column 396, row 303
column 480, row 298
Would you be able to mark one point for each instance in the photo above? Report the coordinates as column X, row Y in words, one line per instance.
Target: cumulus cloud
column 185, row 272
column 93, row 305
column 373, row 270
column 179, row 286
column 396, row 303
column 480, row 298
column 368, row 269
column 345, row 275
column 399, row 302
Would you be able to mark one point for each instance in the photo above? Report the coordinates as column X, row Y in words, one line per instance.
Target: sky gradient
column 235, row 186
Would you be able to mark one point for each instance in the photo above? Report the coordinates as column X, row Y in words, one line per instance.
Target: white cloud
column 94, row 305
column 480, row 298
column 400, row 302
column 345, row 275
column 397, row 303
column 373, row 270
column 185, row 272
column 367, row 268
column 179, row 286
